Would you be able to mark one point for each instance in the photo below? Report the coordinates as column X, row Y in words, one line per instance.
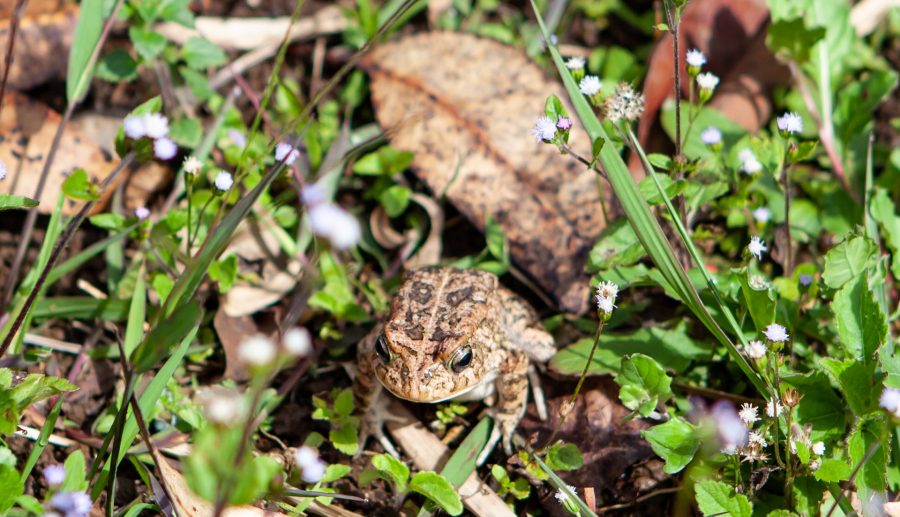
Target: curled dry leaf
column 42, row 36
column 27, row 128
column 732, row 34
column 465, row 106
column 413, row 255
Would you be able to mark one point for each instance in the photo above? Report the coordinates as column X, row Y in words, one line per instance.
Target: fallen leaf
column 732, row 35
column 32, row 7
column 27, row 129
column 232, row 331
column 41, row 38
column 186, row 502
column 465, row 106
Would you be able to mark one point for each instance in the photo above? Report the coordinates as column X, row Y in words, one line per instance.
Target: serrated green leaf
column 857, row 382
column 820, row 408
column 848, row 260
column 78, row 186
column 644, row 384
column 717, row 498
column 833, row 470
column 793, row 39
column 345, row 439
column 200, row 53
column 147, row 42
column 565, row 456
column 437, row 489
column 861, row 324
column 616, row 246
column 393, row 470
column 674, row 441
column 866, row 442
column 335, row 472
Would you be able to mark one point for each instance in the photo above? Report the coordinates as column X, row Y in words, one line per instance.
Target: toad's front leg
column 370, row 402
column 512, row 397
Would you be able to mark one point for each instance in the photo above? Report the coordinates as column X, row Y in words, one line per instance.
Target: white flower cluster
column 756, row 247
column 311, row 467
column 72, row 504
column 606, row 297
column 750, row 164
column 154, row 126
column 259, row 350
column 790, row 123
column 329, row 220
column 695, row 58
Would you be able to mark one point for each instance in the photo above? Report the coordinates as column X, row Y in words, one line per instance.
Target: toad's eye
column 461, row 359
column 381, row 348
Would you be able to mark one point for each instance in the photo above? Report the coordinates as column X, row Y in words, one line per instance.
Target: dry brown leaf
column 232, row 331
column 41, row 38
column 27, row 128
column 465, row 106
column 188, row 504
column 732, row 34
column 32, row 7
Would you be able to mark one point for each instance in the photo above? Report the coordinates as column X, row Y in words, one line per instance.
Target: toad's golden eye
column 461, row 359
column 382, row 349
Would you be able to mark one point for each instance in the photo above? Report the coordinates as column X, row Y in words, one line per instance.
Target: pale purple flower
column 192, row 165
column 564, row 123
column 756, row 438
column 164, row 148
column 287, row 153
column 312, row 468
column 890, row 401
column 590, row 85
column 3, row 171
column 790, row 123
column 335, row 224
column 695, row 58
column 806, row 280
column 544, row 129
column 134, row 127
column 237, row 138
column 313, row 194
column 776, row 333
column 141, row 213
column 257, row 350
column 756, row 247
column 755, row 349
column 224, row 181
column 72, row 504
column 730, row 429
column 762, row 215
column 55, row 474
column 156, row 125
column 711, row 136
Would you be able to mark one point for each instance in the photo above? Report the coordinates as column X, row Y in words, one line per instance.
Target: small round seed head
column 624, row 104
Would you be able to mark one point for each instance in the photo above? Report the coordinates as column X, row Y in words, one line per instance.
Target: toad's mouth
column 423, row 398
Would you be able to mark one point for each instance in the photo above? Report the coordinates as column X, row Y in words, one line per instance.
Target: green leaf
column 75, row 473
column 857, row 381
column 160, row 341
column 78, row 186
column 848, row 260
column 554, row 108
column 861, row 324
column 395, row 199
column 616, row 246
column 10, row 202
column 717, row 498
column 86, row 37
column 792, row 39
column 866, row 439
column 820, row 408
column 336, row 296
column 345, row 439
column 833, row 470
column 393, row 470
column 885, row 213
column 644, row 384
column 496, row 240
column 343, row 403
column 11, row 487
column 186, row 131
column 674, row 441
column 807, row 495
column 437, row 489
column 148, row 43
column 463, row 461
column 36, row 387
column 117, row 66
column 758, row 299
column 224, row 271
column 111, row 222
column 335, row 472
column 200, row 53
column 564, row 456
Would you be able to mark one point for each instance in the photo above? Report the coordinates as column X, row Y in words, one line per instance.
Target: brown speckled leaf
column 27, row 128
column 42, row 44
column 465, row 106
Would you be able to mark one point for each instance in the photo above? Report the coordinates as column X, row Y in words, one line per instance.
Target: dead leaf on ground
column 232, row 331
column 732, row 35
column 27, row 128
column 186, row 502
column 32, row 7
column 465, row 106
column 41, row 38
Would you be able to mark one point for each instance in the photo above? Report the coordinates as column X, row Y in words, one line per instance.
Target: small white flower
column 335, row 224
column 756, row 247
column 773, row 408
column 790, row 122
column 156, row 125
column 756, row 349
column 237, row 138
column 707, row 81
column 224, row 181
column 221, row 405
column 750, row 164
column 3, row 171
column 562, row 497
column 776, row 333
column 747, row 413
column 818, row 448
column 55, row 474
column 191, row 165
column 575, row 63
column 606, row 296
column 757, row 438
column 141, row 213
column 72, row 504
column 730, row 430
column 890, row 401
column 711, row 136
column 164, row 148
column 314, row 473
column 544, row 129
column 297, row 341
column 257, row 350
column 762, row 215
column 134, row 127
column 695, row 58
column 286, row 152
column 311, row 466
column 814, row 466
column 313, row 194
column 728, row 449
column 590, row 85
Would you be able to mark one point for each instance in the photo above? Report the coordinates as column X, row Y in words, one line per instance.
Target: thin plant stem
column 30, row 220
column 199, row 222
column 786, row 184
column 189, row 188
column 63, row 241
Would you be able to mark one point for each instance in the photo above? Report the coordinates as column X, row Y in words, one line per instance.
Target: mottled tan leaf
column 27, row 128
column 465, row 106
column 43, row 39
